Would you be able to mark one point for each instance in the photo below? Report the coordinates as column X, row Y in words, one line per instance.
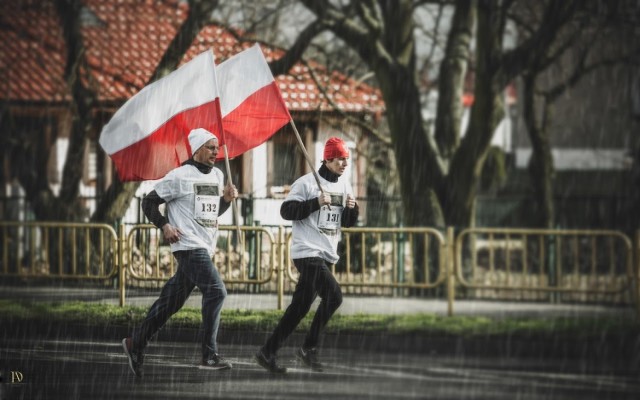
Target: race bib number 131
column 329, row 218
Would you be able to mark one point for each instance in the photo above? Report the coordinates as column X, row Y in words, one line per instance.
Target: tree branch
column 347, row 29
column 555, row 17
column 384, row 139
column 199, row 12
column 370, row 15
column 581, row 70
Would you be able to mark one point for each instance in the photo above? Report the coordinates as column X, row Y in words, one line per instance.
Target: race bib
column 329, row 218
column 206, row 204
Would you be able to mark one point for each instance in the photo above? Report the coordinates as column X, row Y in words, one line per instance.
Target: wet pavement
column 77, row 369
column 61, row 363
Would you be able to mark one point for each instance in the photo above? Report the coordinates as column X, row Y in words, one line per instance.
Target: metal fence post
column 280, row 269
column 121, row 266
column 552, row 260
column 450, row 261
column 400, row 257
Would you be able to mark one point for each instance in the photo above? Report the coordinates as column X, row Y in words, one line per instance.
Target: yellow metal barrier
column 83, row 251
column 536, row 264
column 148, row 258
column 504, row 264
column 386, row 258
column 122, row 278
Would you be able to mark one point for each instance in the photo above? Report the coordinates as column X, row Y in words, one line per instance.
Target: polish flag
column 251, row 104
column 147, row 136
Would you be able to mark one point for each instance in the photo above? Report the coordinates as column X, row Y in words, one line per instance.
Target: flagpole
column 233, row 201
column 306, row 155
column 226, row 162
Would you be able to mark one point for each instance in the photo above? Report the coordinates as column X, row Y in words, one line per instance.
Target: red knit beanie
column 335, row 148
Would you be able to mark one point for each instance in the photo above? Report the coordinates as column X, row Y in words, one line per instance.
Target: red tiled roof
column 124, row 41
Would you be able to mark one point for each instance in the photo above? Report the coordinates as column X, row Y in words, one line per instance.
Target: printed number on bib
column 206, row 204
column 329, row 218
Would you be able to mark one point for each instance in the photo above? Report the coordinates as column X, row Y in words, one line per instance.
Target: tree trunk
column 487, row 111
column 541, row 171
column 83, row 100
column 416, row 168
column 453, row 71
column 115, row 202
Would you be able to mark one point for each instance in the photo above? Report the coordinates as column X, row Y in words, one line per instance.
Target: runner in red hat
column 317, row 218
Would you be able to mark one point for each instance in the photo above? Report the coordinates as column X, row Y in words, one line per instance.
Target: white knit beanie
column 198, row 137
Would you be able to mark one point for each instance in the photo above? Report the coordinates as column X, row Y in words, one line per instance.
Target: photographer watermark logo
column 16, row 377
column 12, row 377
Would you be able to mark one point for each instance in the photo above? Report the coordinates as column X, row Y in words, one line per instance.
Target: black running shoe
column 215, row 361
column 269, row 363
column 310, row 358
column 135, row 358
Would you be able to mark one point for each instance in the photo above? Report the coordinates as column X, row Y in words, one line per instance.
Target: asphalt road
column 71, row 369
column 50, row 364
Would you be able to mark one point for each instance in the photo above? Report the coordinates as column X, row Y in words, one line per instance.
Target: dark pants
column 195, row 268
column 315, row 279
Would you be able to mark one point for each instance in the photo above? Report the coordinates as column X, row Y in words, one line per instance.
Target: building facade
column 124, row 40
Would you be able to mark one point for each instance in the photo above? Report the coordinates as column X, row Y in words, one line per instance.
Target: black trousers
column 315, row 280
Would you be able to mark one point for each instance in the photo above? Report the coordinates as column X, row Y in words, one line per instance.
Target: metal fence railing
column 588, row 266
column 83, row 251
column 406, row 258
column 553, row 265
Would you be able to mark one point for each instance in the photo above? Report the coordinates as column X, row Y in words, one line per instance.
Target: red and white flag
column 147, row 136
column 251, row 104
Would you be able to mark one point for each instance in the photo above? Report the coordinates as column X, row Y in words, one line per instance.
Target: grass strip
column 252, row 320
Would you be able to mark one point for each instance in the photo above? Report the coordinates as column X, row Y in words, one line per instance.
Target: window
column 235, row 165
column 286, row 161
column 90, row 172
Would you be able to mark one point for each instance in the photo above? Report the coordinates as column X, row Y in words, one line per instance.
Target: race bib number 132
column 206, row 204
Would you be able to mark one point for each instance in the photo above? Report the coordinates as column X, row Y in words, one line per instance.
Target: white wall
column 259, row 158
column 580, row 159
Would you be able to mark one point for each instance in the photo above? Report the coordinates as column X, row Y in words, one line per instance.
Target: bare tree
column 582, row 48
column 46, row 205
column 439, row 177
